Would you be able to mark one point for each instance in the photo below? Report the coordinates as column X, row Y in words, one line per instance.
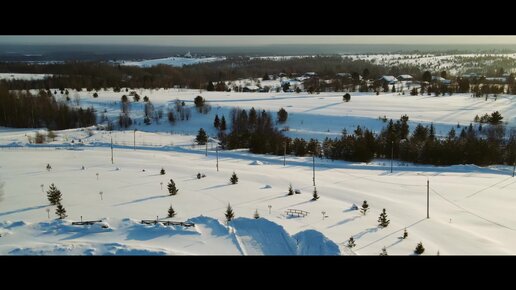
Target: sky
column 255, row 40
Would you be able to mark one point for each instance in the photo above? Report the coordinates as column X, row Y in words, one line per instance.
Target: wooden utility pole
column 134, row 140
column 285, row 154
column 427, row 199
column 313, row 166
column 206, row 149
column 217, row 150
column 392, row 153
column 112, row 150
column 513, row 168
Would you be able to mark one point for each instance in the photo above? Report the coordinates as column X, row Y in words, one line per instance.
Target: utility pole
column 134, row 140
column 427, row 199
column 392, row 153
column 285, row 154
column 313, row 166
column 206, row 149
column 112, row 150
column 513, row 168
column 217, row 150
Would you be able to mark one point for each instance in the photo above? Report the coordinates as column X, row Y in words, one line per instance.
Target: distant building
column 250, row 89
column 405, row 78
column 343, row 75
column 388, row 79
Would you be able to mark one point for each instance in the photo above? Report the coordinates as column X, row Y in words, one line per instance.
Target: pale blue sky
column 247, row 40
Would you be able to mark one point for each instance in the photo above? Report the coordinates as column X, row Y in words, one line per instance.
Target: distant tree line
column 24, row 110
column 472, row 145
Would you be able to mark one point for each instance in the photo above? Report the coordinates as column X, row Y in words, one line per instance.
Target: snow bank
column 311, row 242
column 256, row 162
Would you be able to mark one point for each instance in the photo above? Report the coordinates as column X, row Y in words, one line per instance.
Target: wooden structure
column 296, row 212
column 84, row 223
column 167, row 223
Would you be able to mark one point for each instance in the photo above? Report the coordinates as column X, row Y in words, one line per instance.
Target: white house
column 388, row 79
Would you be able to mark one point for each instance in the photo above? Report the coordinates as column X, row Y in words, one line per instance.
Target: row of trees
column 24, row 110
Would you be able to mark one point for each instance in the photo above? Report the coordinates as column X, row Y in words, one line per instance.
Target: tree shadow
column 141, row 200
column 22, row 210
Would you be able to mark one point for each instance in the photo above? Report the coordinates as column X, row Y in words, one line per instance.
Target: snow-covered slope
column 470, row 207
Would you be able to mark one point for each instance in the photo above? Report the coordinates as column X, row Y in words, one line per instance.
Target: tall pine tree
column 216, row 122
column 223, row 124
column 172, row 190
column 290, row 190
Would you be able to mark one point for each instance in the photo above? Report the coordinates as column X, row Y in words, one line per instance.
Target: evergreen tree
column 171, row 117
column 210, row 87
column 393, row 89
column 172, row 187
column 315, row 195
column 171, row 212
column 60, row 211
column 229, row 213
column 54, row 195
column 162, row 171
column 223, row 124
column 199, row 175
column 384, row 222
column 384, row 252
column 365, row 207
column 290, row 190
column 256, row 214
column 234, row 178
column 351, row 242
column 48, row 167
column 427, row 76
column 405, row 233
column 282, row 115
column 216, row 122
column 419, row 249
column 199, row 101
column 346, row 97
column 95, row 95
column 201, row 138
column 495, row 118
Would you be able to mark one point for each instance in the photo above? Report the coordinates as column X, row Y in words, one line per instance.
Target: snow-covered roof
column 252, row 88
column 405, row 77
column 389, row 78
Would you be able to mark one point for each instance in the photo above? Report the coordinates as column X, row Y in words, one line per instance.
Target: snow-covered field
column 172, row 61
column 471, row 208
column 310, row 116
column 23, row 76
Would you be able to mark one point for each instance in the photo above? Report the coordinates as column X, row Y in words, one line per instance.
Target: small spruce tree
column 234, row 178
column 365, row 207
column 229, row 213
column 384, row 252
column 351, row 242
column 256, row 214
column 162, row 172
column 405, row 234
column 171, row 212
column 290, row 190
column 199, row 175
column 172, row 187
column 60, row 211
column 48, row 167
column 54, row 195
column 202, row 137
column 384, row 222
column 419, row 249
column 315, row 195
